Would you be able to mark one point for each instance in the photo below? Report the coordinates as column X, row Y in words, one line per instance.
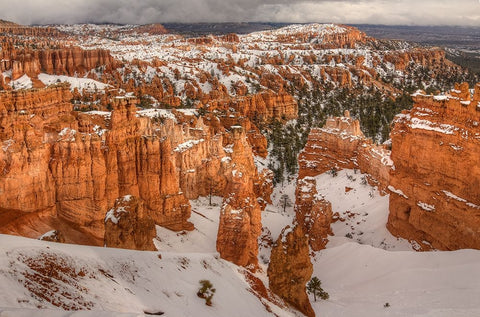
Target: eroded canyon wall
column 63, row 169
column 341, row 144
column 435, row 196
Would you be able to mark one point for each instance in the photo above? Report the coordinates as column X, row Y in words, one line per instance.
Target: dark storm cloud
column 425, row 12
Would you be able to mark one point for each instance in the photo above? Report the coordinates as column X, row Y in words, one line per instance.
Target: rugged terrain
column 228, row 155
column 436, row 198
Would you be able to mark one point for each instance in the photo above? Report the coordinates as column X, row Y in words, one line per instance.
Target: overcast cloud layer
column 403, row 12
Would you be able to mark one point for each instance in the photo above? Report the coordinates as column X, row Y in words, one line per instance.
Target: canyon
column 132, row 137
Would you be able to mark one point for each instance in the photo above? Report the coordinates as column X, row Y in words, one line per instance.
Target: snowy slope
column 365, row 211
column 75, row 82
column 121, row 281
column 361, row 279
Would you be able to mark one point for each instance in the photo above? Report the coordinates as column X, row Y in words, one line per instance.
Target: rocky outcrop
column 418, row 56
column 53, row 236
column 313, row 213
column 152, row 29
column 435, row 197
column 260, row 107
column 11, row 28
column 341, row 144
column 290, row 269
column 68, row 168
column 240, row 217
column 63, row 61
column 26, row 182
column 129, row 226
column 73, row 166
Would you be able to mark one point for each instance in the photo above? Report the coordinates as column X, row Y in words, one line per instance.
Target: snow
column 106, row 114
column 23, row 82
column 451, row 195
column 428, row 125
column 187, row 145
column 365, row 211
column 75, row 82
column 127, row 282
column 157, row 113
column 7, row 144
column 425, row 206
column 48, row 234
column 67, row 134
column 440, row 98
column 114, row 215
column 360, row 279
column 397, row 191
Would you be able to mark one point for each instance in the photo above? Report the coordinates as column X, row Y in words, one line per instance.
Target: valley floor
column 363, row 268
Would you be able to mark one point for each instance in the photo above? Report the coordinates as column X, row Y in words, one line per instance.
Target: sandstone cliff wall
column 341, row 144
column 435, row 197
column 62, row 61
column 66, row 169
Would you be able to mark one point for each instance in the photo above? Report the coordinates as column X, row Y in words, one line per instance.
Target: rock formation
column 260, row 107
column 290, row 269
column 65, row 169
column 63, row 61
column 341, row 144
column 128, row 225
column 435, row 196
column 240, row 217
column 313, row 213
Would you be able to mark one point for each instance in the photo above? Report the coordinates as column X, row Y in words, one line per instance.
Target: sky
column 393, row 12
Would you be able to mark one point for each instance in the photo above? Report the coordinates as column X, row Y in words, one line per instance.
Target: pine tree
column 315, row 287
column 206, row 291
column 286, row 202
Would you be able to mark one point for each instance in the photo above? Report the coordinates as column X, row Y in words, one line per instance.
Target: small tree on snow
column 315, row 287
column 286, row 202
column 206, row 291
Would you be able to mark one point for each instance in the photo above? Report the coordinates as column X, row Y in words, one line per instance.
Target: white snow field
column 362, row 272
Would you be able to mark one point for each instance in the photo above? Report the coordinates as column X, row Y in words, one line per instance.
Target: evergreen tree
column 206, row 291
column 286, row 202
column 315, row 287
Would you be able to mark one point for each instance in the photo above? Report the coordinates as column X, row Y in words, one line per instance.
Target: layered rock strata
column 65, row 169
column 63, row 61
column 341, row 144
column 435, row 196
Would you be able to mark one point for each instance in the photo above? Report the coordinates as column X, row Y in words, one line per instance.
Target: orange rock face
column 290, row 269
column 128, row 225
column 62, row 61
column 240, row 217
column 260, row 107
column 435, row 196
column 341, row 144
column 65, row 169
column 313, row 213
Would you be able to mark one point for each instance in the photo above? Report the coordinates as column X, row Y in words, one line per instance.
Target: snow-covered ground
column 120, row 281
column 363, row 210
column 362, row 272
column 80, row 83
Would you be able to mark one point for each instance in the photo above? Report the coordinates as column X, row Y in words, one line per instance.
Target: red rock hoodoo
column 290, row 269
column 313, row 213
column 435, row 196
column 240, row 216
